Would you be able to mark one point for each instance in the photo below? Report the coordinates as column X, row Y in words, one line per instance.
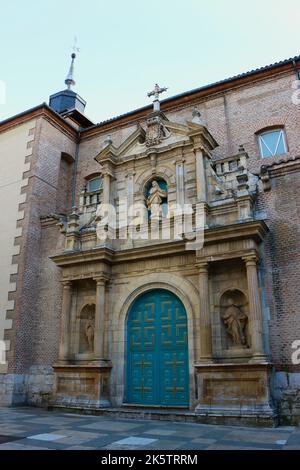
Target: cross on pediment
column 156, row 92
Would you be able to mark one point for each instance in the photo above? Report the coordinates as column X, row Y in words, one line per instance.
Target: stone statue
column 155, row 199
column 235, row 322
column 156, row 195
column 89, row 333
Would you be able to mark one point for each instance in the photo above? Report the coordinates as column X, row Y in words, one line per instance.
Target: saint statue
column 235, row 322
column 89, row 333
column 155, row 198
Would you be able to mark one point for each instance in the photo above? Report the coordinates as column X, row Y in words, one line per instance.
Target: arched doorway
column 157, row 351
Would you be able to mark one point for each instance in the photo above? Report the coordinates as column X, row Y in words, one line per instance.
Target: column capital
column 251, row 259
column 197, row 148
column 101, row 280
column 67, row 284
column 202, row 266
column 107, row 172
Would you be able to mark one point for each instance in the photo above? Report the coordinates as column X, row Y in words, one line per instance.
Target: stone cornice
column 40, row 111
column 284, row 167
column 255, row 230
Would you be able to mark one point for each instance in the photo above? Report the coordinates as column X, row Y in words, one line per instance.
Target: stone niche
column 86, row 330
column 231, row 337
column 234, row 321
column 233, row 386
column 82, row 380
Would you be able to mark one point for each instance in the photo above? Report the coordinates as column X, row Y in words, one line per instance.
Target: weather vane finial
column 156, row 92
column 69, row 81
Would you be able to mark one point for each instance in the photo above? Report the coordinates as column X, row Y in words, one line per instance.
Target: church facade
column 152, row 261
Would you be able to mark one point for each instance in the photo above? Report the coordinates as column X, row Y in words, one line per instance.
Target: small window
column 94, row 184
column 272, row 143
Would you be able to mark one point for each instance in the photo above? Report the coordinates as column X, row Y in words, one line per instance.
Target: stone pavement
column 33, row 428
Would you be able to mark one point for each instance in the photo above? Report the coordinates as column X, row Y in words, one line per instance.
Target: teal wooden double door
column 157, row 351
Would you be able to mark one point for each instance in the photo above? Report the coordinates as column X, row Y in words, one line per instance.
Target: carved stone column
column 106, row 187
column 99, row 340
column 180, row 182
column 65, row 320
column 200, row 174
column 256, row 319
column 204, row 325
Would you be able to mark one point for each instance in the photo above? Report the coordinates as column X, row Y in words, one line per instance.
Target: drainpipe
column 75, row 170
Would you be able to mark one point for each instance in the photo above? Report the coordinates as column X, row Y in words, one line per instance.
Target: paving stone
column 248, row 444
column 135, row 441
column 80, row 448
column 7, row 438
column 259, row 437
column 111, row 426
column 119, row 447
column 204, row 441
column 294, row 439
column 14, row 446
column 229, row 447
column 46, row 437
column 192, row 446
column 160, row 432
column 164, row 444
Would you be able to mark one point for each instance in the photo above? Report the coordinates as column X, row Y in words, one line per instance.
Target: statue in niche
column 155, row 198
column 89, row 333
column 156, row 195
column 235, row 321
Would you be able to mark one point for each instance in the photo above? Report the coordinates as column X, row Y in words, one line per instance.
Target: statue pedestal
column 229, row 392
column 82, row 385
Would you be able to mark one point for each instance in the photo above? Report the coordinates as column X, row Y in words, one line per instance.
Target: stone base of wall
column 12, row 389
column 286, row 392
column 84, row 385
column 39, row 385
column 36, row 389
column 33, row 389
column 235, row 391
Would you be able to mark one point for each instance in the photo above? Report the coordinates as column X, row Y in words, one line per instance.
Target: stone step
column 169, row 414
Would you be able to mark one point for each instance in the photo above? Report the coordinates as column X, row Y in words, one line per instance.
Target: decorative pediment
column 200, row 133
column 159, row 132
column 133, row 144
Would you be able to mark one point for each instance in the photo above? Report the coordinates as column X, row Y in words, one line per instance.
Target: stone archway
column 156, row 352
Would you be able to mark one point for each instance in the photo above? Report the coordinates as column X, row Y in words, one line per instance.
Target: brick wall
column 43, row 179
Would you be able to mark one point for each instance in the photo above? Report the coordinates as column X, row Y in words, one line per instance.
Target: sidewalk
column 32, row 428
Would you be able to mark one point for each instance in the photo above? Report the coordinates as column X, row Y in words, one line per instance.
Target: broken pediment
column 158, row 133
column 132, row 145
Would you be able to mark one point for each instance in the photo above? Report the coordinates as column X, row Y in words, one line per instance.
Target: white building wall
column 14, row 147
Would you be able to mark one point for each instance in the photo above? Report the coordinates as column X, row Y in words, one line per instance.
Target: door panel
column 157, row 351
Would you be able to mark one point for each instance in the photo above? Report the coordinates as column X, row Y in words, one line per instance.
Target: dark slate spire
column 67, row 100
column 69, row 81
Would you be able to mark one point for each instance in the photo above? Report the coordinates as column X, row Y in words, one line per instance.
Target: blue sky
column 128, row 45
